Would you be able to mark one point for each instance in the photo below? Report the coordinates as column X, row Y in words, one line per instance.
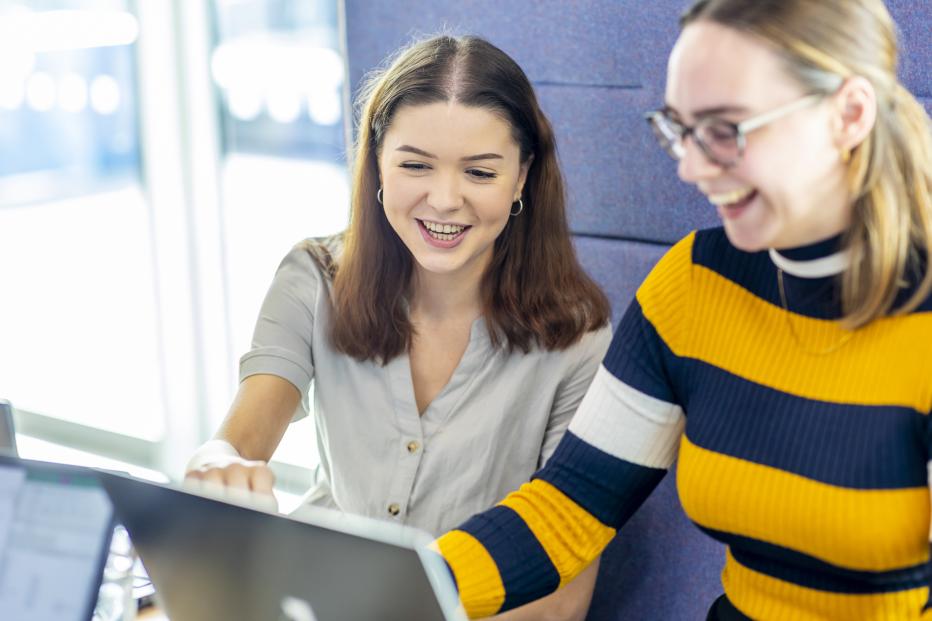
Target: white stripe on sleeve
column 628, row 424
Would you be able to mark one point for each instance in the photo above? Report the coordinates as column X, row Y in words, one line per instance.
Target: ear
column 522, row 176
column 856, row 112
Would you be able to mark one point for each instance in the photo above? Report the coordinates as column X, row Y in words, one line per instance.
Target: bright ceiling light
column 52, row 31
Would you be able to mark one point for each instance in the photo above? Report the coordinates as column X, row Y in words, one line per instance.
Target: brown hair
column 890, row 172
column 534, row 291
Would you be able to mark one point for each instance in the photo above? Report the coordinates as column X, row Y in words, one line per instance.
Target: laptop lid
column 55, row 528
column 7, row 433
column 214, row 561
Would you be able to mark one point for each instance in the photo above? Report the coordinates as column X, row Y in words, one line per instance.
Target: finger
column 237, row 476
column 213, row 477
column 262, row 480
column 193, row 482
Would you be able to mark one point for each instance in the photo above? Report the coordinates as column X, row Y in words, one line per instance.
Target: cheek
column 787, row 165
column 494, row 209
column 402, row 194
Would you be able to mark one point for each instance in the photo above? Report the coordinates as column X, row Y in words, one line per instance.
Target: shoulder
column 319, row 254
column 588, row 350
column 752, row 271
column 306, row 273
column 671, row 275
column 701, row 258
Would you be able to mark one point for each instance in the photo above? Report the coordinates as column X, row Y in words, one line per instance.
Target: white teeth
column 730, row 198
column 443, row 229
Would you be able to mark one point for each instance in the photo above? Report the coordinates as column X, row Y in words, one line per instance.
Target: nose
column 695, row 166
column 445, row 193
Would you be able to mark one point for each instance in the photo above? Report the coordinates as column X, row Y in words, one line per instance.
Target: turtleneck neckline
column 819, row 259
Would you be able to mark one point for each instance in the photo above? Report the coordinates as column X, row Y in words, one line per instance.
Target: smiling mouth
column 731, row 200
column 441, row 231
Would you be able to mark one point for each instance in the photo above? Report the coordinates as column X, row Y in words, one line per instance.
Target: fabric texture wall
column 597, row 66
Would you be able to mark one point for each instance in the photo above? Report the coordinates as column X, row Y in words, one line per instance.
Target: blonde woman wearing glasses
column 782, row 358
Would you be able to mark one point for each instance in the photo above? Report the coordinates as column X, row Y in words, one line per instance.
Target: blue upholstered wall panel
column 553, row 40
column 914, row 19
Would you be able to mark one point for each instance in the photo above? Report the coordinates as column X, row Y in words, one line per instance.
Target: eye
column 481, row 174
column 417, row 166
column 718, row 131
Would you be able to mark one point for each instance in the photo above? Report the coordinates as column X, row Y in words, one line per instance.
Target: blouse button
column 413, row 446
column 394, row 509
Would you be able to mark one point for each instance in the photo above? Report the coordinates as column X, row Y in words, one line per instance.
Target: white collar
column 815, row 268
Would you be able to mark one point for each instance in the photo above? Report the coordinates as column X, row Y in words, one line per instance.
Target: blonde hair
column 824, row 43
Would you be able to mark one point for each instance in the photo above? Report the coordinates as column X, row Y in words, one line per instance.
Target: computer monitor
column 55, row 528
column 214, row 561
column 7, row 431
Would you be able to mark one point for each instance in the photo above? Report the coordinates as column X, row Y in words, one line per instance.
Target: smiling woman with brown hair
column 450, row 333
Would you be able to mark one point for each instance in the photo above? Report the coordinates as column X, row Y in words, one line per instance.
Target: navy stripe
column 526, row 570
column 804, row 570
column 755, row 272
column 854, row 446
column 452, row 575
column 609, row 488
column 636, row 355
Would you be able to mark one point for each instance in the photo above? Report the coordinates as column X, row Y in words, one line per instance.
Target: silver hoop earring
column 520, row 208
column 378, row 196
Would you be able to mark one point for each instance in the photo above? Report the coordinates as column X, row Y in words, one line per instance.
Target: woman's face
column 449, row 175
column 789, row 188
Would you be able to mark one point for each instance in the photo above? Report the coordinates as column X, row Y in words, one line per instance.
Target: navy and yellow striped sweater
column 801, row 446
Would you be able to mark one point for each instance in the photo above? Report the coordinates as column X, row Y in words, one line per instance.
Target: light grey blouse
column 493, row 425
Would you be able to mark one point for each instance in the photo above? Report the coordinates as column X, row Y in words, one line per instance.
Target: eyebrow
column 713, row 111
column 469, row 158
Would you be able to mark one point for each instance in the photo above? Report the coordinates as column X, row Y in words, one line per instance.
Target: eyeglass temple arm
column 768, row 117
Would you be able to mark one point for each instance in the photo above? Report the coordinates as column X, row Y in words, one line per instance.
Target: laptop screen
column 55, row 528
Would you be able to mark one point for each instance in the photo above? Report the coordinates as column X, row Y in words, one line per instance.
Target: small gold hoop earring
column 520, row 208
column 378, row 196
column 845, row 156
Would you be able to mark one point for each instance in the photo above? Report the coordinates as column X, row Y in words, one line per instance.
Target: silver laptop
column 7, row 433
column 55, row 528
column 215, row 561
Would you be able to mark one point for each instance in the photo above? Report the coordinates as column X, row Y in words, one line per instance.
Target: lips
column 735, row 209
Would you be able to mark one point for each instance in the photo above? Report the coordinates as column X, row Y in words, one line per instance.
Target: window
column 279, row 75
column 80, row 325
column 159, row 160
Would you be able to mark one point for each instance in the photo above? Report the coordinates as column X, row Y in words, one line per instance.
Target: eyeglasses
column 721, row 141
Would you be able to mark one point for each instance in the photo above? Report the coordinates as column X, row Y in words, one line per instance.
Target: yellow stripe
column 570, row 535
column 881, row 364
column 477, row 577
column 664, row 295
column 867, row 530
column 763, row 597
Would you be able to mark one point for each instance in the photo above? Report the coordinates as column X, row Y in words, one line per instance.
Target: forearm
column 540, row 538
column 567, row 604
column 259, row 416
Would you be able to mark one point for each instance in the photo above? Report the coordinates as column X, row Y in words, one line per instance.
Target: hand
column 236, row 479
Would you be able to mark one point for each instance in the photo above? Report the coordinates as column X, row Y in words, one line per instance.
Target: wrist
column 217, row 453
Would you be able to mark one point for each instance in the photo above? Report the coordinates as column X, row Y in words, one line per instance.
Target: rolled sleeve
column 282, row 339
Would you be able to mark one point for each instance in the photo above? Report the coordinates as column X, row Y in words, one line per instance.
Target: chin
column 436, row 267
column 748, row 240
